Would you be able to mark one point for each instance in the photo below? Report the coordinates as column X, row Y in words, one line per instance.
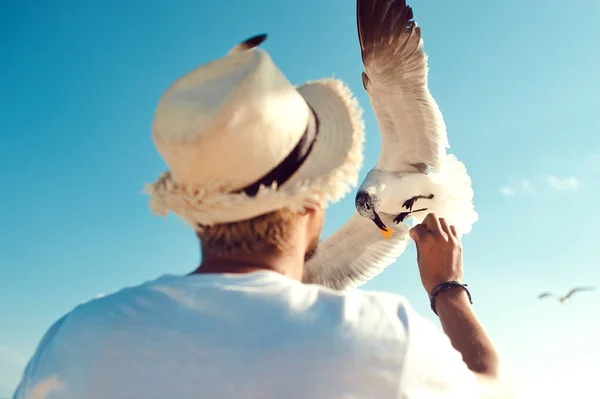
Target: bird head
column 367, row 206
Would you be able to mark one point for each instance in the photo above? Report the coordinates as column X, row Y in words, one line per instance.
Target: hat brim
column 327, row 175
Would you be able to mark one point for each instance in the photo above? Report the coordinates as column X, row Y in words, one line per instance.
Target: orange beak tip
column 387, row 233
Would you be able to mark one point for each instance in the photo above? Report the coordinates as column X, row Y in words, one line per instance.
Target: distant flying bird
column 565, row 298
column 414, row 175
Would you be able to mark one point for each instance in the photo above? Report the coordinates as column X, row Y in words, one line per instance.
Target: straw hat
column 241, row 141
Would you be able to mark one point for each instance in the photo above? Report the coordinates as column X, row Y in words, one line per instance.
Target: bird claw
column 400, row 217
column 409, row 203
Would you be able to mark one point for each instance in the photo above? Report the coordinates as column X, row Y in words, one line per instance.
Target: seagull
column 414, row 176
column 565, row 298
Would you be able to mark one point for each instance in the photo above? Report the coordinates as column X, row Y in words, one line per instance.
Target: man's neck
column 289, row 263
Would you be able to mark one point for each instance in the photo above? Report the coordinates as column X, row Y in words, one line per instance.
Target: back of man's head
column 265, row 233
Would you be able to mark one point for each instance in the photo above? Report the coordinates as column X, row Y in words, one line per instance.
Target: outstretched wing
column 413, row 132
column 577, row 289
column 545, row 295
column 354, row 254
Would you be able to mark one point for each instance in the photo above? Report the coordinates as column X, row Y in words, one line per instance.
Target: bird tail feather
column 453, row 195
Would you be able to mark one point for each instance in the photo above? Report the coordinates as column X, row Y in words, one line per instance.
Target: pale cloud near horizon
column 562, row 184
column 525, row 186
column 580, row 167
column 507, row 191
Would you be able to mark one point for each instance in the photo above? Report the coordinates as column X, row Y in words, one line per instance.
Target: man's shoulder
column 310, row 307
column 367, row 311
column 360, row 307
column 377, row 300
column 104, row 309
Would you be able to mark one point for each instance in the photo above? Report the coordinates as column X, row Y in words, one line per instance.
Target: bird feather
column 577, row 289
column 413, row 132
column 249, row 44
column 354, row 254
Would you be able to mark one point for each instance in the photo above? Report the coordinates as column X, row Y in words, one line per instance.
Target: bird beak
column 385, row 231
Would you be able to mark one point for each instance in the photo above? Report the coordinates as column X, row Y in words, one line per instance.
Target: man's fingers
column 429, row 218
column 433, row 224
column 445, row 227
column 453, row 230
column 418, row 232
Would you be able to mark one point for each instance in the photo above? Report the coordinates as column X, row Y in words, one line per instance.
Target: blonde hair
column 265, row 233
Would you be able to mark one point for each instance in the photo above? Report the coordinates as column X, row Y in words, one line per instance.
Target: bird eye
column 367, row 207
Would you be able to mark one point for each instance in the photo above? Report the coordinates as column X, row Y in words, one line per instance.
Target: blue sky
column 517, row 84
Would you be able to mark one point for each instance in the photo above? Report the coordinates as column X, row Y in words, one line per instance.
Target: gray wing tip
column 249, row 44
column 377, row 18
column 386, row 28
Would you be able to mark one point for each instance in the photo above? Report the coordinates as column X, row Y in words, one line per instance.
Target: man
column 253, row 160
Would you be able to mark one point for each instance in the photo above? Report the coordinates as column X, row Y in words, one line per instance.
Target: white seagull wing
column 413, row 132
column 354, row 254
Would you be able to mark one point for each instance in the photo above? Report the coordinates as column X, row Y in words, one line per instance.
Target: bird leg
column 409, row 203
column 403, row 215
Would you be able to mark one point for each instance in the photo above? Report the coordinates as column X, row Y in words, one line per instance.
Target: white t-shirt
column 258, row 335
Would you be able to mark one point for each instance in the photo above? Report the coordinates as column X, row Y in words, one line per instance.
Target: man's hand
column 439, row 252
